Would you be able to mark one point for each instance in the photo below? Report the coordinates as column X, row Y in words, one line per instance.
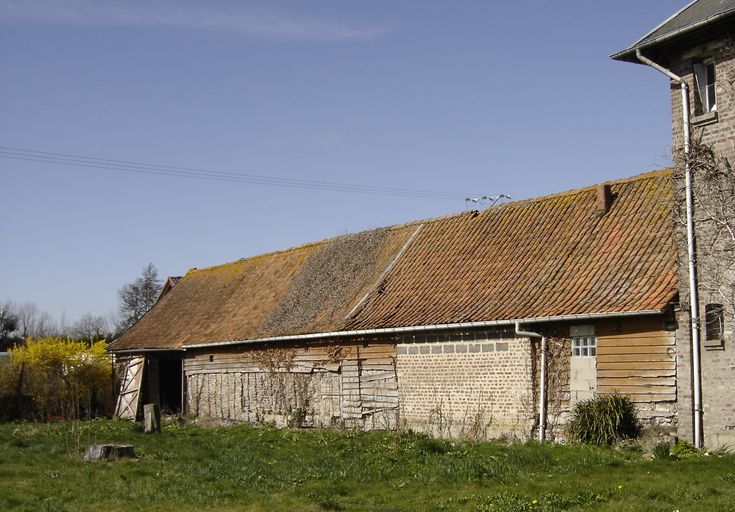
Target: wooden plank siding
column 354, row 384
column 637, row 357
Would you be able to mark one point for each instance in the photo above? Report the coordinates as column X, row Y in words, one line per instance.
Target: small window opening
column 714, row 315
column 584, row 346
column 704, row 74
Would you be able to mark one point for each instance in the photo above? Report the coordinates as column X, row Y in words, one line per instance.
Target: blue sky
column 471, row 97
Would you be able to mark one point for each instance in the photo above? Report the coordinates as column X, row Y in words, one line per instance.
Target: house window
column 584, row 346
column 584, row 341
column 714, row 315
column 704, row 74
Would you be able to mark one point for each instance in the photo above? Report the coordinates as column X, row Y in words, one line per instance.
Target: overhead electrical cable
column 128, row 166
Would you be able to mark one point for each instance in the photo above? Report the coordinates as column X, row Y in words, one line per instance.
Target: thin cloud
column 248, row 22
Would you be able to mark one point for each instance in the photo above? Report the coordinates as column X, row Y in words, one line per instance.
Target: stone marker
column 109, row 451
column 152, row 418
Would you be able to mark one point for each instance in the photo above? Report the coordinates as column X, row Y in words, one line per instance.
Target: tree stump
column 109, row 451
column 152, row 418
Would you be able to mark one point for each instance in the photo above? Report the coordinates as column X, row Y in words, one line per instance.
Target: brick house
column 695, row 48
column 478, row 324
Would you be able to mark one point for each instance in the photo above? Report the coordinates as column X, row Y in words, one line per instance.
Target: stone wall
column 477, row 389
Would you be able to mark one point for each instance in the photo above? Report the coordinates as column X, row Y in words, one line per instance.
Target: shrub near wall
column 65, row 379
column 604, row 419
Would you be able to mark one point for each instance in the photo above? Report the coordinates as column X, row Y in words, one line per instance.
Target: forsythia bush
column 66, row 379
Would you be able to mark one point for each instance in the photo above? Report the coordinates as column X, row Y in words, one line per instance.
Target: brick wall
column 720, row 131
column 718, row 379
column 477, row 389
column 717, row 363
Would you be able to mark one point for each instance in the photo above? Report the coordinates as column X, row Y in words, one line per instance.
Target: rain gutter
column 139, row 350
column 423, row 328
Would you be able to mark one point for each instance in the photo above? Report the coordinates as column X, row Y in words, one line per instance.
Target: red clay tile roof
column 543, row 257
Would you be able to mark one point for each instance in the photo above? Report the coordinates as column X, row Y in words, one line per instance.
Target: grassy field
column 244, row 468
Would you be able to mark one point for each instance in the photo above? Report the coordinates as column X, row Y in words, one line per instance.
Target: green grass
column 245, row 468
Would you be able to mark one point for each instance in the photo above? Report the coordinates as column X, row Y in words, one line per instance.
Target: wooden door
column 130, row 387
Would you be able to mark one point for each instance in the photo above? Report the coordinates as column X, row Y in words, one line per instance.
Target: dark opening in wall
column 170, row 384
column 714, row 315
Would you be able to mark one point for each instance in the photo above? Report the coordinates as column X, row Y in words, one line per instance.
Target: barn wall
column 478, row 389
column 447, row 384
column 307, row 386
column 637, row 357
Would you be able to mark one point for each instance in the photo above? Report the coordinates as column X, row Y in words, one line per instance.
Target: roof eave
column 145, row 350
column 429, row 328
column 628, row 55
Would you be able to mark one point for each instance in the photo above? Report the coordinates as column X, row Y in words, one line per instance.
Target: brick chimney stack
column 604, row 197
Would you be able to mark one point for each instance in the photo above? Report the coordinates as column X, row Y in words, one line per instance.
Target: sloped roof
column 552, row 256
column 170, row 282
column 310, row 288
column 544, row 257
column 698, row 15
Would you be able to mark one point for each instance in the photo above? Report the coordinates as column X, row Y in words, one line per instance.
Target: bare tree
column 91, row 327
column 138, row 297
column 713, row 187
column 34, row 323
column 8, row 326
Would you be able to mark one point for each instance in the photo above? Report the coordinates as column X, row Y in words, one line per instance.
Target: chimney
column 604, row 197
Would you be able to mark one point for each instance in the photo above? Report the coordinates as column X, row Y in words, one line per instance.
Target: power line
column 128, row 166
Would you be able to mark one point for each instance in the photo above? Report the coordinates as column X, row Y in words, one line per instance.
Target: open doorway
column 169, row 384
column 162, row 381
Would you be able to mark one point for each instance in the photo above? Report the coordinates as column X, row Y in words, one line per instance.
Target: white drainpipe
column 542, row 390
column 693, row 287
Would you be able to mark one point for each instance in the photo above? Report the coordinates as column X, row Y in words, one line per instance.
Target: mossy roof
column 550, row 256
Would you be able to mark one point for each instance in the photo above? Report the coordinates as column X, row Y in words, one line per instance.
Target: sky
column 470, row 98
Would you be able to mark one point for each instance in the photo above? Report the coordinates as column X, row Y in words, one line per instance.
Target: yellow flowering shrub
column 66, row 379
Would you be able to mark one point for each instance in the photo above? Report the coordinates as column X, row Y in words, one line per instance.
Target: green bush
column 604, row 419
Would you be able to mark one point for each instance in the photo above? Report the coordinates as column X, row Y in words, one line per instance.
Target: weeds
column 684, row 450
column 662, row 451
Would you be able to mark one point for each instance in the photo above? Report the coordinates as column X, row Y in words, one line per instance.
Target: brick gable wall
column 717, row 363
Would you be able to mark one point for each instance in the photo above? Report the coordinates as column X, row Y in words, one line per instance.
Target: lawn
column 245, row 468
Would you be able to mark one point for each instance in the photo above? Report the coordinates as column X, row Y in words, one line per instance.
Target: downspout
column 693, row 286
column 542, row 386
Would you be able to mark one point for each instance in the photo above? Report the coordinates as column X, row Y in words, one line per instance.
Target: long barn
column 480, row 324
